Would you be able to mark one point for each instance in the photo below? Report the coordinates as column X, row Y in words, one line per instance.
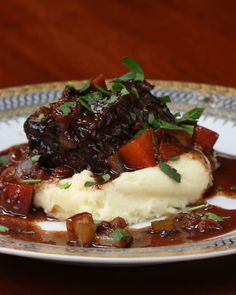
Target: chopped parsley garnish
column 170, row 126
column 4, row 160
column 41, row 117
column 82, row 100
column 164, row 99
column 3, row 229
column 31, row 181
column 69, row 85
column 112, row 99
column 101, row 89
column 171, row 172
column 124, row 91
column 86, row 86
column 175, row 158
column 213, row 216
column 142, row 131
column 27, row 232
column 106, row 177
column 233, row 188
column 65, row 185
column 135, row 91
column 91, row 183
column 35, row 159
column 118, row 234
column 191, row 116
column 136, row 72
column 133, row 116
column 190, row 209
column 65, row 108
column 153, row 121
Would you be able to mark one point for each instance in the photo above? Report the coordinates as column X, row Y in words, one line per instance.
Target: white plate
column 220, row 115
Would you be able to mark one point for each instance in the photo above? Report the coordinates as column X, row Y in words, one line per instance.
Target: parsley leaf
column 164, row 99
column 133, row 116
column 101, row 89
column 3, row 228
column 4, row 160
column 190, row 209
column 35, row 159
column 106, row 177
column 65, row 108
column 31, row 181
column 136, row 72
column 69, row 85
column 91, row 183
column 171, row 172
column 170, row 126
column 153, row 121
column 65, row 185
column 175, row 158
column 213, row 216
column 192, row 116
column 112, row 99
column 124, row 91
column 86, row 86
column 41, row 117
column 119, row 233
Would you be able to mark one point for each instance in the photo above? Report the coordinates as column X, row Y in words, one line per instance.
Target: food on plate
column 109, row 155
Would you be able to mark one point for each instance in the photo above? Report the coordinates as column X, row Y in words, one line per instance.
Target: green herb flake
column 91, row 183
column 135, row 91
column 213, row 216
column 195, row 208
column 164, row 99
column 27, row 232
column 141, row 131
column 3, row 229
column 117, row 87
column 233, row 188
column 171, row 172
column 192, row 116
column 170, row 126
column 112, row 99
column 41, row 117
column 136, row 72
column 153, row 121
column 124, row 91
column 97, row 222
column 35, row 159
column 65, row 185
column 69, row 85
column 86, row 86
column 65, row 108
column 175, row 158
column 4, row 160
column 118, row 234
column 133, row 116
column 101, row 89
column 106, row 177
column 31, row 181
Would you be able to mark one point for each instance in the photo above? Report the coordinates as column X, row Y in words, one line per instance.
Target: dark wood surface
column 51, row 40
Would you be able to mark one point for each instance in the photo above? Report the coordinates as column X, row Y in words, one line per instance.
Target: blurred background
column 51, row 40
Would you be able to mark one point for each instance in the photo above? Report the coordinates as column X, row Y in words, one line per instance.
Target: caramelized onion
column 81, row 229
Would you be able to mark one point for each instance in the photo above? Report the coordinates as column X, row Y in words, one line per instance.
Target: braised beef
column 85, row 139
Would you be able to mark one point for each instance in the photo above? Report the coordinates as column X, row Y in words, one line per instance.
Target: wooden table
column 51, row 40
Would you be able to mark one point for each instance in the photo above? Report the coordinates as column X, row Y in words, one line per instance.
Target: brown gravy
column 26, row 228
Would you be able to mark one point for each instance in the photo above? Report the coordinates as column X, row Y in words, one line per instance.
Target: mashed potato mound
column 135, row 196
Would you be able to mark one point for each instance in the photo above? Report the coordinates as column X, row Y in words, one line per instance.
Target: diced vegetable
column 118, row 222
column 81, row 229
column 121, row 238
column 17, row 198
column 165, row 224
column 168, row 150
column 183, row 137
column 204, row 138
column 100, row 80
column 139, row 152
